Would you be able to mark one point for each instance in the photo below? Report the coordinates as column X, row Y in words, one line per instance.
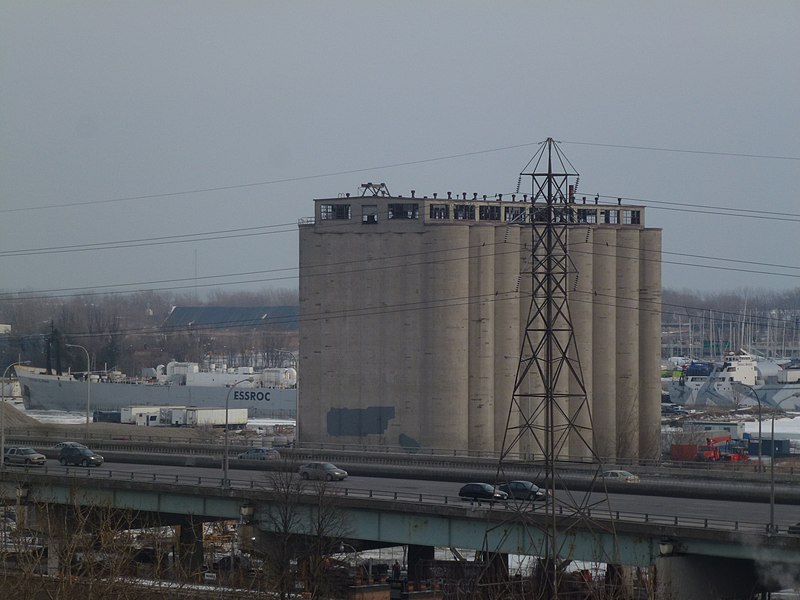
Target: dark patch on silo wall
column 359, row 421
column 408, row 442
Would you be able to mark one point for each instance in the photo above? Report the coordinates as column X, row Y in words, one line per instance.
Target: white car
column 619, row 475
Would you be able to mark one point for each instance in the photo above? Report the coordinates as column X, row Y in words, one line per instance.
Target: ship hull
column 53, row 392
column 784, row 396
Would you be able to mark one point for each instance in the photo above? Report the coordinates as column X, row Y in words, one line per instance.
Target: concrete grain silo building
column 412, row 312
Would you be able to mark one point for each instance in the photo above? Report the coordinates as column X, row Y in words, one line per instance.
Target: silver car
column 322, row 471
column 61, row 445
column 259, row 454
column 619, row 475
column 24, row 456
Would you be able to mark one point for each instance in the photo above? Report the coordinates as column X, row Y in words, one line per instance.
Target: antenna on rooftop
column 374, row 189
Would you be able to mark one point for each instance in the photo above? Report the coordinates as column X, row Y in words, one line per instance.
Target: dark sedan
column 326, row 471
column 523, row 490
column 482, row 491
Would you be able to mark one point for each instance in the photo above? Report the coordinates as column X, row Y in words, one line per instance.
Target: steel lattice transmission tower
column 550, row 420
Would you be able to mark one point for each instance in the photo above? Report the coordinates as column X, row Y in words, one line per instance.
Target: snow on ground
column 54, row 416
column 784, row 426
column 70, row 418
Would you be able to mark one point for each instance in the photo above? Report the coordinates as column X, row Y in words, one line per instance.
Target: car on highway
column 24, row 456
column 61, row 445
column 482, row 491
column 322, row 471
column 71, row 455
column 620, row 475
column 523, row 490
column 259, row 454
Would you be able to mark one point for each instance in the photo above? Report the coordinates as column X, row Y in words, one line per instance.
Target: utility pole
column 549, row 418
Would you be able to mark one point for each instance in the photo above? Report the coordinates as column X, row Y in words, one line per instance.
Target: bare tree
column 325, row 532
column 80, row 553
column 306, row 529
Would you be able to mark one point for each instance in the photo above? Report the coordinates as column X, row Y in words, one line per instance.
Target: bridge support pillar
column 497, row 564
column 416, row 554
column 190, row 547
column 56, row 527
column 703, row 577
column 54, row 551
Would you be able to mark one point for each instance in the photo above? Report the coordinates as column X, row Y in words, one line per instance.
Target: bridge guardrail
column 468, row 470
column 214, row 448
column 193, row 482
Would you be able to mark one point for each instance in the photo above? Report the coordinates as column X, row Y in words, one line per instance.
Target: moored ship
column 735, row 381
column 272, row 393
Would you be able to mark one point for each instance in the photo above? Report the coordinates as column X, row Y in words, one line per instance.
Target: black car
column 482, row 491
column 523, row 490
column 71, row 455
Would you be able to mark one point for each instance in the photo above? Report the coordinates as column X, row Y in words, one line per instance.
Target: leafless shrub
column 306, row 529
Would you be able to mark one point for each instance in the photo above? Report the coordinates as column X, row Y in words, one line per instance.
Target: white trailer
column 144, row 415
column 733, row 428
column 172, row 415
column 183, row 416
column 140, row 415
column 215, row 417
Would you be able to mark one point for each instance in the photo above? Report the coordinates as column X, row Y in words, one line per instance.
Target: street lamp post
column 343, row 550
column 226, row 483
column 3, row 412
column 755, row 394
column 88, row 384
column 772, row 465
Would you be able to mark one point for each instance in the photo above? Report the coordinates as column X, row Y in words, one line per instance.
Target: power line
column 717, row 211
column 683, row 150
column 372, row 267
column 271, row 229
column 271, row 181
column 157, row 241
column 609, row 300
column 91, row 291
column 383, row 167
column 405, row 256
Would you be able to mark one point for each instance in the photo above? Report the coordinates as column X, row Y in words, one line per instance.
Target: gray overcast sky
column 106, row 101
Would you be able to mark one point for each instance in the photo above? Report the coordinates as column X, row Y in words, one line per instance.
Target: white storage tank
column 279, row 377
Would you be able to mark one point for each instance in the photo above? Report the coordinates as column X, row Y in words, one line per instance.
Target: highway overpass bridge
column 693, row 554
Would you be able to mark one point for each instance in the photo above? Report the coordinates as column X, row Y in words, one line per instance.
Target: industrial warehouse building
column 412, row 313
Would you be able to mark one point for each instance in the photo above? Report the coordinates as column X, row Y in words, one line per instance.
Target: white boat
column 272, row 393
column 735, row 382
